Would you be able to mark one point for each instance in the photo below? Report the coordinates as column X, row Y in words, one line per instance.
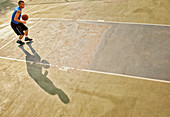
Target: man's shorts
column 18, row 28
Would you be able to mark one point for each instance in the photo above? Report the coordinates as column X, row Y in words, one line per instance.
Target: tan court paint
column 90, row 94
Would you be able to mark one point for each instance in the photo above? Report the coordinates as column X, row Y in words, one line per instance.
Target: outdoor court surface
column 88, row 58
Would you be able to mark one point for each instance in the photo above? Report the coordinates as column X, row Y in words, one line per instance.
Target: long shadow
column 34, row 68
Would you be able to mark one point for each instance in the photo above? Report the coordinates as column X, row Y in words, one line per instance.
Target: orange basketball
column 25, row 17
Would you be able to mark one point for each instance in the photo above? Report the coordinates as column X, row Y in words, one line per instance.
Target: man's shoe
column 20, row 42
column 27, row 39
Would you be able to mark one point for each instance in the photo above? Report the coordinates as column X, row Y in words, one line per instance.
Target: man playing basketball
column 18, row 25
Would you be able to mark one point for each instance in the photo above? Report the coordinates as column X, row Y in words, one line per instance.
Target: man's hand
column 16, row 17
column 24, row 22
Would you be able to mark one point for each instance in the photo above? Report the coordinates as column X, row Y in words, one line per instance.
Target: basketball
column 25, row 17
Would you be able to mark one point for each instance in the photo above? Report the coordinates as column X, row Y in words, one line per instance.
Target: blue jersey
column 14, row 13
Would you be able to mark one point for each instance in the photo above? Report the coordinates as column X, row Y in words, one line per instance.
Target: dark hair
column 20, row 2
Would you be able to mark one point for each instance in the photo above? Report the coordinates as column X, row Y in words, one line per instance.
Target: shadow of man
column 34, row 68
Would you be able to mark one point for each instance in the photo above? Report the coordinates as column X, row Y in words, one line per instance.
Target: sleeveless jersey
column 14, row 13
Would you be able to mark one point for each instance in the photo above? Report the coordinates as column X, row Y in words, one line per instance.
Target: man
column 18, row 25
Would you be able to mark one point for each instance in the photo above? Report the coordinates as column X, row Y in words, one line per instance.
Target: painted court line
column 63, row 68
column 4, row 25
column 101, row 21
column 8, row 43
column 17, row 37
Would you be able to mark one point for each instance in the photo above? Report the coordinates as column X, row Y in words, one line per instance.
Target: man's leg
column 26, row 36
column 26, row 33
column 19, row 40
column 20, row 37
column 18, row 30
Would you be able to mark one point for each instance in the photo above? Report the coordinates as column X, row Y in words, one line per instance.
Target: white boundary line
column 63, row 68
column 17, row 37
column 101, row 21
column 8, row 43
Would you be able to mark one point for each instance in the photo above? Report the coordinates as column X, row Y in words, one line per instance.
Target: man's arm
column 16, row 17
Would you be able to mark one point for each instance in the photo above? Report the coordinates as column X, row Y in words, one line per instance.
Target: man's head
column 21, row 4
